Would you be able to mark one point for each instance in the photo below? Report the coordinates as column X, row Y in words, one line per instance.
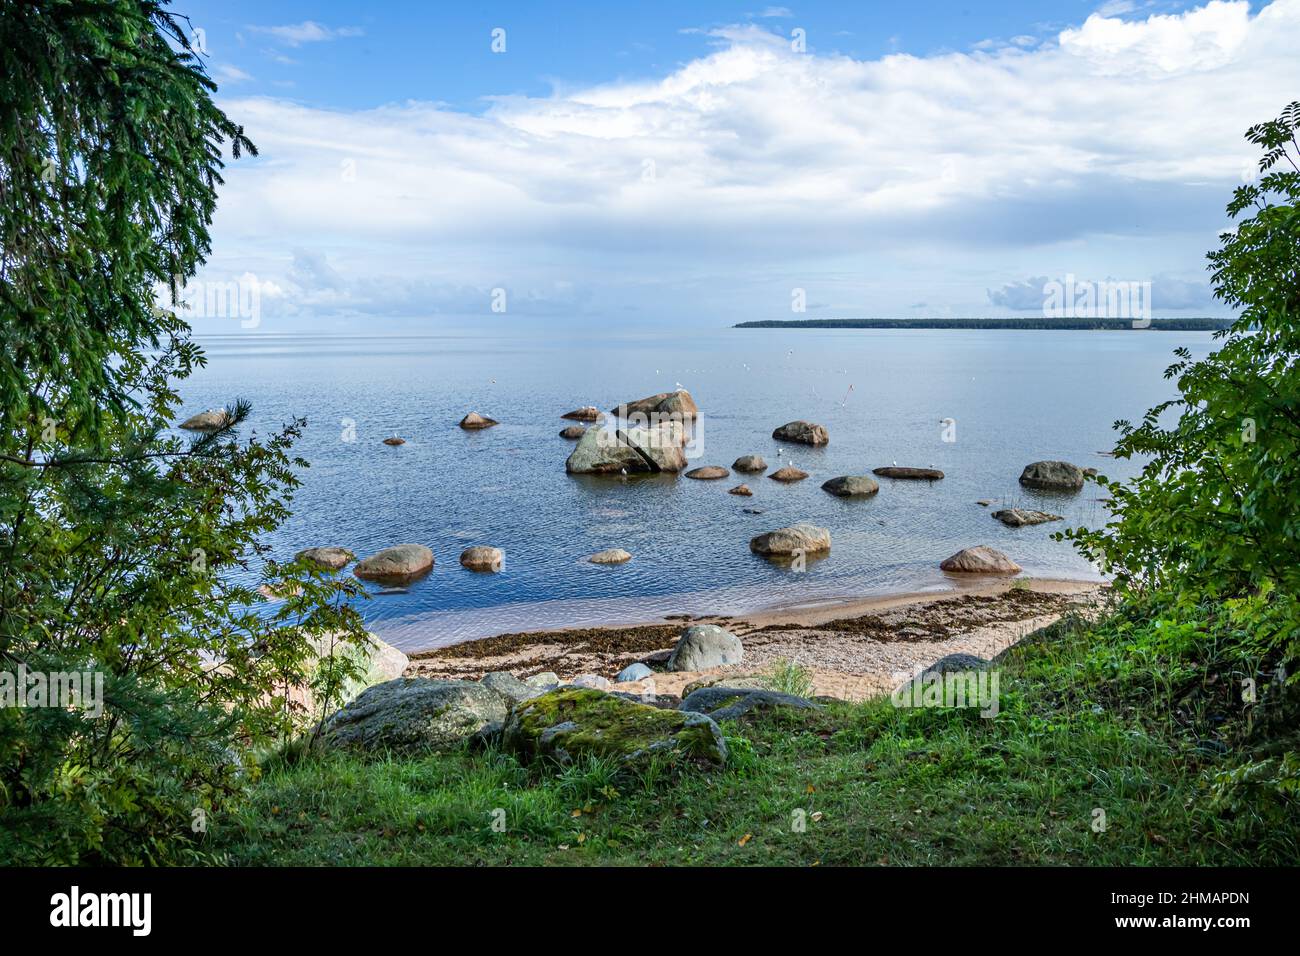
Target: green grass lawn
column 852, row 784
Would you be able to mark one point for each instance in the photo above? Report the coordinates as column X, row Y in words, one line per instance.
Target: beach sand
column 853, row 649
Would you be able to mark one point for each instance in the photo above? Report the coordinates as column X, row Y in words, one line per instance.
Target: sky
column 704, row 163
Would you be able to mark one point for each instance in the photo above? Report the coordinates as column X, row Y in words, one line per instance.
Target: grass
column 851, row 784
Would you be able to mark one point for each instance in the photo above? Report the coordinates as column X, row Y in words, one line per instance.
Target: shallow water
column 1016, row 397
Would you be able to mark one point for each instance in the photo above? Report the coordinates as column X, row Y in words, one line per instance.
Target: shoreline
column 852, row 649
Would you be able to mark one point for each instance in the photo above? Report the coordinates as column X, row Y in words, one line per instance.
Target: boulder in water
column 803, row 433
column 1052, row 476
column 980, row 560
column 396, row 565
column 803, row 538
column 475, row 422
column 851, row 486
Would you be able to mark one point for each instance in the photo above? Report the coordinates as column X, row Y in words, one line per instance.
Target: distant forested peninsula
column 1036, row 322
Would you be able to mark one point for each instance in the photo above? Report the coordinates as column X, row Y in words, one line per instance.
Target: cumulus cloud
column 756, row 168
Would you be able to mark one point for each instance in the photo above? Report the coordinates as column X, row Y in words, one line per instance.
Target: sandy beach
column 853, row 649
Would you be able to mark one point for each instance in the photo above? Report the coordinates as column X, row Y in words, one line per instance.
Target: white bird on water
column 894, row 462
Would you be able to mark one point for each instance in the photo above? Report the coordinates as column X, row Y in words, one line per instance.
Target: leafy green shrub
column 1211, row 520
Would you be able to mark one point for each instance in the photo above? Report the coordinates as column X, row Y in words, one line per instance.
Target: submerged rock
column 851, row 486
column 610, row 556
column 915, row 474
column 330, row 557
column 1052, row 476
column 482, row 558
column 474, row 421
column 1018, row 517
column 394, row 440
column 413, row 714
column 702, row 646
column 750, row 464
column 797, row 539
column 571, row 723
column 708, row 473
column 573, row 432
column 980, row 560
column 803, row 433
column 742, row 490
column 396, row 565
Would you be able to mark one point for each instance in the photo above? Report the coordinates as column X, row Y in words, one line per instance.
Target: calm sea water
column 1016, row 397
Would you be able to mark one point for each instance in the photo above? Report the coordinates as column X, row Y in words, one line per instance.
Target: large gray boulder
column 630, row 451
column 727, row 703
column 415, row 714
column 802, row 538
column 662, row 445
column 676, row 405
column 851, row 486
column 803, row 433
column 751, row 464
column 1052, row 476
column 396, row 565
column 980, row 560
column 702, row 646
column 573, row 722
column 511, row 687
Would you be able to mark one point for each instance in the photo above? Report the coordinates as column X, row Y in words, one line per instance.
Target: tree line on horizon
column 1037, row 322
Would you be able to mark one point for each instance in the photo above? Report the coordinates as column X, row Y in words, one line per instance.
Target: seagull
column 680, row 386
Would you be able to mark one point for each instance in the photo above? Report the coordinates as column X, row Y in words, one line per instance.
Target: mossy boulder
column 574, row 722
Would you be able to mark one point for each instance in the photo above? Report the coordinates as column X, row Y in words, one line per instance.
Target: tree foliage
column 1211, row 522
column 125, row 548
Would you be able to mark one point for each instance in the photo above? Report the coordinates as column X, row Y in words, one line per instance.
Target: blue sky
column 710, row 163
column 367, row 54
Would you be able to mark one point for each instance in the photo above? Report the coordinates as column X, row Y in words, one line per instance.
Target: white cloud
column 309, row 31
column 754, row 169
column 226, row 74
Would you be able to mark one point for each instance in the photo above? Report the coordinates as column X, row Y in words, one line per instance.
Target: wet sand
column 853, row 649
